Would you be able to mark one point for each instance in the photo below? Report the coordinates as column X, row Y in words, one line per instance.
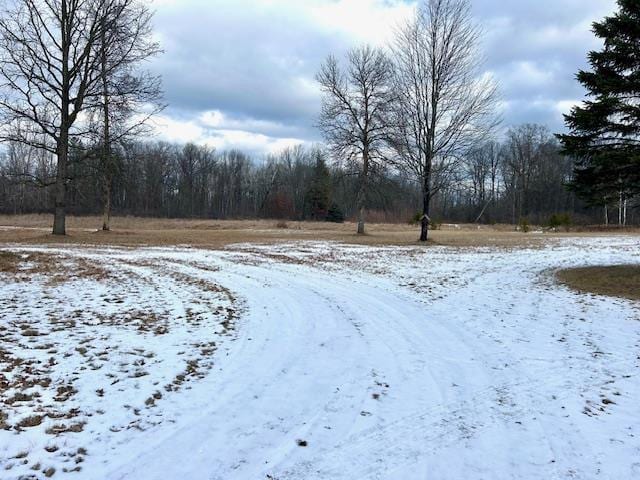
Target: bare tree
column 355, row 112
column 534, row 171
column 129, row 97
column 50, row 72
column 446, row 105
column 482, row 167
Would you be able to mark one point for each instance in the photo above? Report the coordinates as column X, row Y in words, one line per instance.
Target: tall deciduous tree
column 355, row 112
column 446, row 105
column 525, row 153
column 50, row 76
column 482, row 168
column 604, row 133
column 129, row 96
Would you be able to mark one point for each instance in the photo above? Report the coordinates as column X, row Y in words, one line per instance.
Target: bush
column 558, row 220
column 416, row 219
column 523, row 225
column 335, row 214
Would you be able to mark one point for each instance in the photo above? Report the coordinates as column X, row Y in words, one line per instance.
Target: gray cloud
column 253, row 62
column 535, row 48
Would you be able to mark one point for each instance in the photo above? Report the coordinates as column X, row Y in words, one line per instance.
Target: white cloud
column 370, row 21
column 240, row 73
column 215, row 130
column 565, row 106
column 174, row 130
column 528, row 74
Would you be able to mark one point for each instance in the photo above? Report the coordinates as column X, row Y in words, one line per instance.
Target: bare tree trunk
column 106, row 212
column 106, row 139
column 362, row 193
column 424, row 225
column 620, row 211
column 59, row 218
column 62, row 147
column 426, row 207
column 606, row 215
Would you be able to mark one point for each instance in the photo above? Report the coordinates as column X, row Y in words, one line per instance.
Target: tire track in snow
column 478, row 380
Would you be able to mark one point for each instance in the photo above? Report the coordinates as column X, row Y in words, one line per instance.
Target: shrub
column 558, row 220
column 434, row 224
column 523, row 225
column 32, row 421
column 335, row 214
column 416, row 219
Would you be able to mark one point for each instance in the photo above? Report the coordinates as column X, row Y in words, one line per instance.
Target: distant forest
column 522, row 177
column 411, row 130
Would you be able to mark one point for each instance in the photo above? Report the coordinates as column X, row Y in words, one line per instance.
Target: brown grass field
column 616, row 281
column 132, row 231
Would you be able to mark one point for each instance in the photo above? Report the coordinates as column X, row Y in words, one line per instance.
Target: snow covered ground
column 317, row 361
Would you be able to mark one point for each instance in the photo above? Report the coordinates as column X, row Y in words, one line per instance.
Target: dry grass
column 9, row 262
column 24, row 267
column 131, row 231
column 615, row 281
column 61, row 428
column 31, row 421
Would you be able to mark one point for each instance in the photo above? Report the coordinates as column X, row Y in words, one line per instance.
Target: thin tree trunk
column 484, row 209
column 620, row 211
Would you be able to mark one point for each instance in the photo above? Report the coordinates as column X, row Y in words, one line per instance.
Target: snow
column 389, row 362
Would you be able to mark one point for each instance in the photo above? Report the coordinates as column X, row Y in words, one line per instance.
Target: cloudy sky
column 240, row 73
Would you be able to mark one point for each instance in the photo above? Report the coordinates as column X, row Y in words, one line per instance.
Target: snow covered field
column 317, row 361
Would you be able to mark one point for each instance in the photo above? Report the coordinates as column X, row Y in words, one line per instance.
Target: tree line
column 411, row 130
column 521, row 177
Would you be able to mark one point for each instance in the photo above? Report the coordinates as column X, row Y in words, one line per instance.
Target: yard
column 317, row 359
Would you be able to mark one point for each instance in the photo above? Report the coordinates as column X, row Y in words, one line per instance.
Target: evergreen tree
column 604, row 133
column 335, row 214
column 319, row 193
